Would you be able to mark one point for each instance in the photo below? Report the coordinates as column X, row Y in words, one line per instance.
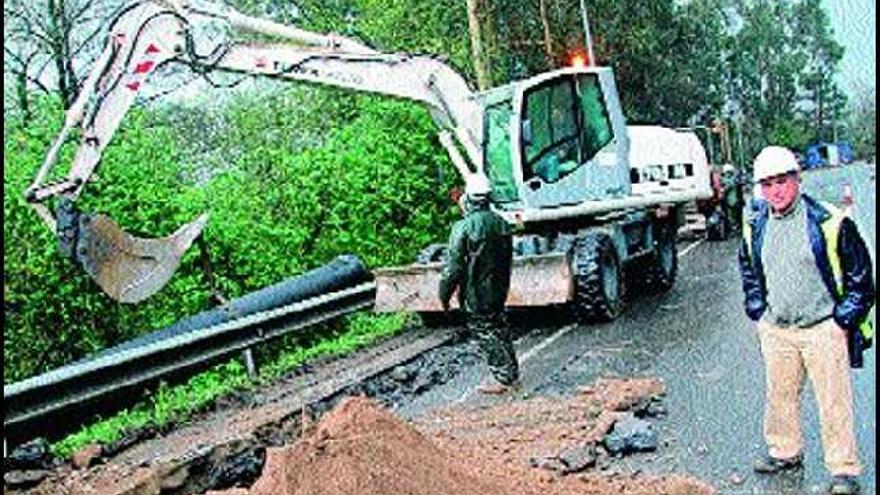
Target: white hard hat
column 727, row 168
column 773, row 161
column 477, row 186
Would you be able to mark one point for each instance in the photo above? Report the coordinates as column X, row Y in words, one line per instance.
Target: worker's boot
column 773, row 465
column 498, row 388
column 844, row 485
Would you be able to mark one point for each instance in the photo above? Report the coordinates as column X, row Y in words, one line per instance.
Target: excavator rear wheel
column 598, row 279
column 663, row 261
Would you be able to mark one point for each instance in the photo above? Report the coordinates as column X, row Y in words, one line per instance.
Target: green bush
column 282, row 197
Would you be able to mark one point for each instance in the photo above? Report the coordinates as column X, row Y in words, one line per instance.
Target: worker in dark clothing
column 478, row 265
column 732, row 201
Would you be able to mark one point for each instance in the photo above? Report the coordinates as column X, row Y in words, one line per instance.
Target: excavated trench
column 241, row 466
column 240, row 463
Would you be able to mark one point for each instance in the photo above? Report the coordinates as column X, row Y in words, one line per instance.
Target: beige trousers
column 821, row 352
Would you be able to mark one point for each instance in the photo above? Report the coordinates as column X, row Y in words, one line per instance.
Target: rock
column 424, row 381
column 402, row 374
column 22, row 480
column 175, row 479
column 641, row 406
column 130, row 439
column 655, row 409
column 548, row 463
column 143, row 482
column 736, row 479
column 630, row 434
column 87, row 456
column 702, row 449
column 34, row 455
column 241, row 469
column 578, row 459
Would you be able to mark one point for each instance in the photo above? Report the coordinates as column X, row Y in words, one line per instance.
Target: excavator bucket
column 130, row 269
column 540, row 280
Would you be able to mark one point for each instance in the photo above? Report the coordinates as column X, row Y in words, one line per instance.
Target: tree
column 477, row 50
column 862, row 124
column 825, row 102
column 783, row 60
column 43, row 38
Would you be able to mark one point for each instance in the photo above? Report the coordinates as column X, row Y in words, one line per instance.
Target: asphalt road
column 698, row 340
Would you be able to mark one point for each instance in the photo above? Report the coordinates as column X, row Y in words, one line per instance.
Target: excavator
column 587, row 194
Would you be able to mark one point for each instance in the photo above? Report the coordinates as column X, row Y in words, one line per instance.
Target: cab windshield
column 565, row 124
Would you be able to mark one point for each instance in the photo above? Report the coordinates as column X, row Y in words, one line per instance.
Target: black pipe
column 343, row 272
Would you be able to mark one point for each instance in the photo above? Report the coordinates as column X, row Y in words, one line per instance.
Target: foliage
column 373, row 188
column 782, row 65
column 862, row 125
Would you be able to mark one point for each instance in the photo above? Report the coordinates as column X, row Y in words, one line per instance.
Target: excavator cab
column 556, row 139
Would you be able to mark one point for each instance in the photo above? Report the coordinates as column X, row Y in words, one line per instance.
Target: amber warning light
column 578, row 58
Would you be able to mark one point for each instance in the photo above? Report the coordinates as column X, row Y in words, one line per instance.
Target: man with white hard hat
column 808, row 283
column 479, row 265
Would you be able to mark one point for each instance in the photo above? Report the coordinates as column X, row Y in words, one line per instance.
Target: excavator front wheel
column 599, row 284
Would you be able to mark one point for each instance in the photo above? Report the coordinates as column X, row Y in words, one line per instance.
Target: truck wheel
column 598, row 279
column 664, row 260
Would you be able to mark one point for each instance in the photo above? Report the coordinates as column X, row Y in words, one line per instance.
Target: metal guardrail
column 30, row 401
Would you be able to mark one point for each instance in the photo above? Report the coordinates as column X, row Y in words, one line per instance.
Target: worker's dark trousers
column 493, row 337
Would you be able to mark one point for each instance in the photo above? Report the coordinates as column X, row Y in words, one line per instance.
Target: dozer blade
column 130, row 269
column 534, row 281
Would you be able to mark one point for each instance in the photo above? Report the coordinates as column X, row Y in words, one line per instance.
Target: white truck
column 588, row 195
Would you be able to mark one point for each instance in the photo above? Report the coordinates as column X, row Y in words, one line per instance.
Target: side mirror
column 527, row 132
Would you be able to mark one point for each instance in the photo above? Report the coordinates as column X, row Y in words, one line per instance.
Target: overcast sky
column 855, row 24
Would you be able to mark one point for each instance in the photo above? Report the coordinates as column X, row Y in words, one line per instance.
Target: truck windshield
column 499, row 166
column 568, row 124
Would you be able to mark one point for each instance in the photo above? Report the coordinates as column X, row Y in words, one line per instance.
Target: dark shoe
column 844, row 485
column 772, row 465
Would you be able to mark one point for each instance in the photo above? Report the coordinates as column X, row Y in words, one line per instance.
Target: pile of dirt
column 359, row 447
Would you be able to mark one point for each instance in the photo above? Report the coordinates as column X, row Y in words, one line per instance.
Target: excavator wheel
column 598, row 279
column 663, row 261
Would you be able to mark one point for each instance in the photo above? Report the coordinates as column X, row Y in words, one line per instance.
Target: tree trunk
column 67, row 54
column 548, row 40
column 477, row 44
column 488, row 31
column 21, row 93
column 56, row 25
